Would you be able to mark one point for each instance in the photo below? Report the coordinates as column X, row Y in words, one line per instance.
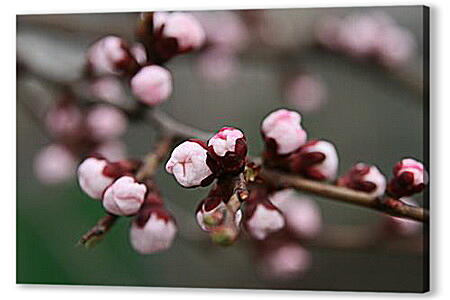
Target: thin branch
column 386, row 205
column 96, row 233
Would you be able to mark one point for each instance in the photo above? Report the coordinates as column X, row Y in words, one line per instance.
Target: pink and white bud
column 139, row 54
column 187, row 164
column 317, row 160
column 283, row 127
column 285, row 261
column 106, row 122
column 93, row 177
column 365, row 178
column 112, row 150
column 262, row 219
column 306, row 92
column 303, row 217
column 395, row 46
column 64, row 119
column 109, row 89
column 54, row 164
column 400, row 226
column 183, row 27
column 153, row 233
column 109, row 55
column 410, row 177
column 225, row 140
column 124, row 197
column 152, row 85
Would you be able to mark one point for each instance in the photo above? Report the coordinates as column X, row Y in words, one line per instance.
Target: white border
column 440, row 154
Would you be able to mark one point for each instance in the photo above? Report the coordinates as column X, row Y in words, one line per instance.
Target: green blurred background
column 369, row 116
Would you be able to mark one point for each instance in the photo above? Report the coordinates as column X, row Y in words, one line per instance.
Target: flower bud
column 306, row 92
column 285, row 261
column 139, row 54
column 395, row 46
column 261, row 217
column 317, row 160
column 152, row 85
column 153, row 230
column 211, row 213
column 109, row 55
column 365, row 178
column 112, row 150
column 228, row 147
column 106, row 122
column 188, row 164
column 124, row 197
column 93, row 178
column 109, row 89
column 283, row 128
column 64, row 119
column 54, row 164
column 302, row 215
column 217, row 65
column 410, row 177
column 183, row 27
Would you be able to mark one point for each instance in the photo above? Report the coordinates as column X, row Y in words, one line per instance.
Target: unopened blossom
column 262, row 217
column 410, row 177
column 400, row 226
column 283, row 127
column 54, row 164
column 317, row 160
column 183, row 27
column 154, row 230
column 64, row 119
column 109, row 89
column 93, row 178
column 106, row 122
column 109, row 55
column 152, row 85
column 124, row 197
column 187, row 164
column 228, row 147
column 217, row 65
column 306, row 92
column 139, row 54
column 302, row 215
column 112, row 150
column 366, row 178
column 285, row 261
column 396, row 45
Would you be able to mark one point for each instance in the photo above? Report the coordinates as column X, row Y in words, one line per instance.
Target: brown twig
column 386, row 205
column 96, row 233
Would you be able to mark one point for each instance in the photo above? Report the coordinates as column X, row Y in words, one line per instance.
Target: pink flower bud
column 109, row 89
column 152, row 85
column 93, row 178
column 303, row 217
column 124, row 197
column 153, row 231
column 54, row 164
column 395, row 46
column 183, row 27
column 139, row 54
column 285, row 261
column 366, row 178
column 317, row 160
column 283, row 127
column 262, row 217
column 410, row 177
column 188, row 164
column 109, row 55
column 64, row 119
column 306, row 92
column 228, row 148
column 217, row 65
column 106, row 122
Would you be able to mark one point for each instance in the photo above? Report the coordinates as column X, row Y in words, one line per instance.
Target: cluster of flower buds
column 365, row 178
column 115, row 184
column 226, row 35
column 409, row 178
column 196, row 163
column 79, row 131
column 287, row 147
column 375, row 35
column 306, row 92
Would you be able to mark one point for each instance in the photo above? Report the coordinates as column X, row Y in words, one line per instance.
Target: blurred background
column 370, row 105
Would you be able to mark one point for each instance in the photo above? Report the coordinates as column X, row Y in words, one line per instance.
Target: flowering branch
column 386, row 205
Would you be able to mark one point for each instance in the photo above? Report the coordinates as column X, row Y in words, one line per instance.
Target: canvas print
column 249, row 149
